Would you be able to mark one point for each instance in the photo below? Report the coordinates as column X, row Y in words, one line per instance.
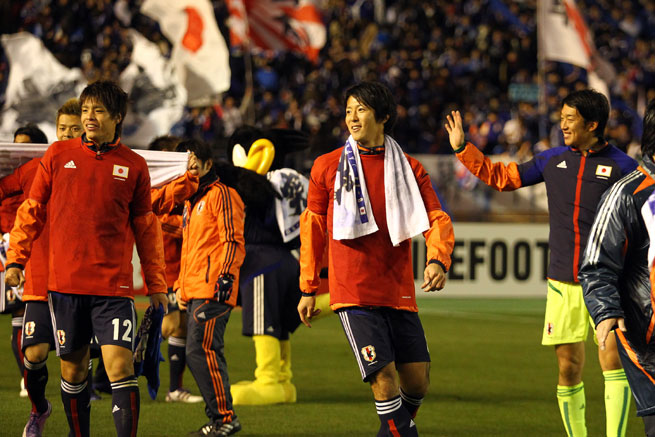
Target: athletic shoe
column 182, row 395
column 228, row 428
column 23, row 391
column 218, row 429
column 35, row 425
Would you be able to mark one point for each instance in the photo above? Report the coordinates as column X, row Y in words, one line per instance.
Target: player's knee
column 170, row 324
column 119, row 365
column 36, row 353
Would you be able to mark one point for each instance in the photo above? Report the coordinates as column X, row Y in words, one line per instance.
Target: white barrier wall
column 492, row 259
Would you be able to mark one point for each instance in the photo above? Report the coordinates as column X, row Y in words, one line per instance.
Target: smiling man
column 576, row 175
column 366, row 201
column 97, row 195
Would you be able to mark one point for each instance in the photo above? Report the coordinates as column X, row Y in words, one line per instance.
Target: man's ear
column 592, row 125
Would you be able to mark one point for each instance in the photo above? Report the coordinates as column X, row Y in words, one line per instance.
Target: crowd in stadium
column 432, row 54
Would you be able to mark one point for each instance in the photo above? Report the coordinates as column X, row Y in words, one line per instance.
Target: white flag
column 162, row 166
column 38, row 85
column 157, row 97
column 564, row 37
column 199, row 53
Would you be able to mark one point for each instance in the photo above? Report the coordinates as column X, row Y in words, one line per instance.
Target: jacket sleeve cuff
column 12, row 265
column 436, row 261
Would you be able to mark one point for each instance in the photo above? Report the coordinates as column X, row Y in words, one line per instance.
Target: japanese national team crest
column 368, row 352
column 29, row 328
column 603, row 171
column 549, row 329
column 120, row 171
column 201, row 206
column 61, row 336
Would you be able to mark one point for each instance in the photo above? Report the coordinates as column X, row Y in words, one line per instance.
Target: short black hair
column 111, row 96
column 31, row 130
column 592, row 106
column 378, row 97
column 165, row 142
column 648, row 137
column 198, row 147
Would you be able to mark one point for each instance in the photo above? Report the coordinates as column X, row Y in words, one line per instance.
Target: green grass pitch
column 490, row 377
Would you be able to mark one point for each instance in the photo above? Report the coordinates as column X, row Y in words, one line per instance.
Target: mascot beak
column 260, row 156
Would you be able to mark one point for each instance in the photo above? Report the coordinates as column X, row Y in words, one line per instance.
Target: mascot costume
column 274, row 197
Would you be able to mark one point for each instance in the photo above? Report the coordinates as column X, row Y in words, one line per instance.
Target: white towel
column 353, row 216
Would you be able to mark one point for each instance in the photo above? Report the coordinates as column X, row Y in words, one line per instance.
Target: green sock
column 571, row 400
column 617, row 402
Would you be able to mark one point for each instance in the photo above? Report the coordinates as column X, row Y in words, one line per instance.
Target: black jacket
column 614, row 272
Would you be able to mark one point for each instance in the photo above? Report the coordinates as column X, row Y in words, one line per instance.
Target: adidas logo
column 115, row 409
column 174, row 357
column 70, row 164
column 270, row 329
column 411, row 423
column 562, row 164
column 202, row 315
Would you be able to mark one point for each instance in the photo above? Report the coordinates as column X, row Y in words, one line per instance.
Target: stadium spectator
column 368, row 232
column 94, row 188
column 615, row 274
column 9, row 190
column 575, row 177
column 213, row 250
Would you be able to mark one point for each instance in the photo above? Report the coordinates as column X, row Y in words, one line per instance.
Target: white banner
column 492, row 260
column 157, row 98
column 163, row 166
column 38, row 85
column 199, row 54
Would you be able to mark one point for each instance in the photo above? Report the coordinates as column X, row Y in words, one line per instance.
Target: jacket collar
column 102, row 148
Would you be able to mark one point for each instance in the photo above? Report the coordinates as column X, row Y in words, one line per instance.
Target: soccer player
column 97, row 195
column 576, row 175
column 38, row 337
column 615, row 273
column 213, row 249
column 173, row 326
column 11, row 198
column 366, row 200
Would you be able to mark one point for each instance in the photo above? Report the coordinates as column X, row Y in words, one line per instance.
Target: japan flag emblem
column 120, row 171
column 29, row 328
column 603, row 171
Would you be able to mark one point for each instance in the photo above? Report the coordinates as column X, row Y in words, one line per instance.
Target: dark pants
column 205, row 357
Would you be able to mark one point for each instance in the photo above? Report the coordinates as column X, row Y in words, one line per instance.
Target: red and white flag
column 199, row 52
column 565, row 37
column 294, row 25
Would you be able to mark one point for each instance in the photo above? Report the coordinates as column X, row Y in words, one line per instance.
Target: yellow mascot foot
column 289, row 392
column 258, row 394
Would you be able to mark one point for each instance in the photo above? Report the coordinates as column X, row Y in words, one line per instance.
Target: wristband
column 303, row 294
column 460, row 148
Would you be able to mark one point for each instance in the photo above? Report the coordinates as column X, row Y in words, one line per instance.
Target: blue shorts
column 37, row 325
column 379, row 336
column 80, row 316
column 640, row 371
column 269, row 291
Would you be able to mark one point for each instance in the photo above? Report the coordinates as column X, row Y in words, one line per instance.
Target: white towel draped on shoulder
column 405, row 211
column 163, row 166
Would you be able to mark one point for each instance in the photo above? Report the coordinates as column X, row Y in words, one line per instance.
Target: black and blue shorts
column 379, row 336
column 37, row 325
column 77, row 317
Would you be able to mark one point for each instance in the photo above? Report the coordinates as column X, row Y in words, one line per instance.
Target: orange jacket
column 212, row 242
